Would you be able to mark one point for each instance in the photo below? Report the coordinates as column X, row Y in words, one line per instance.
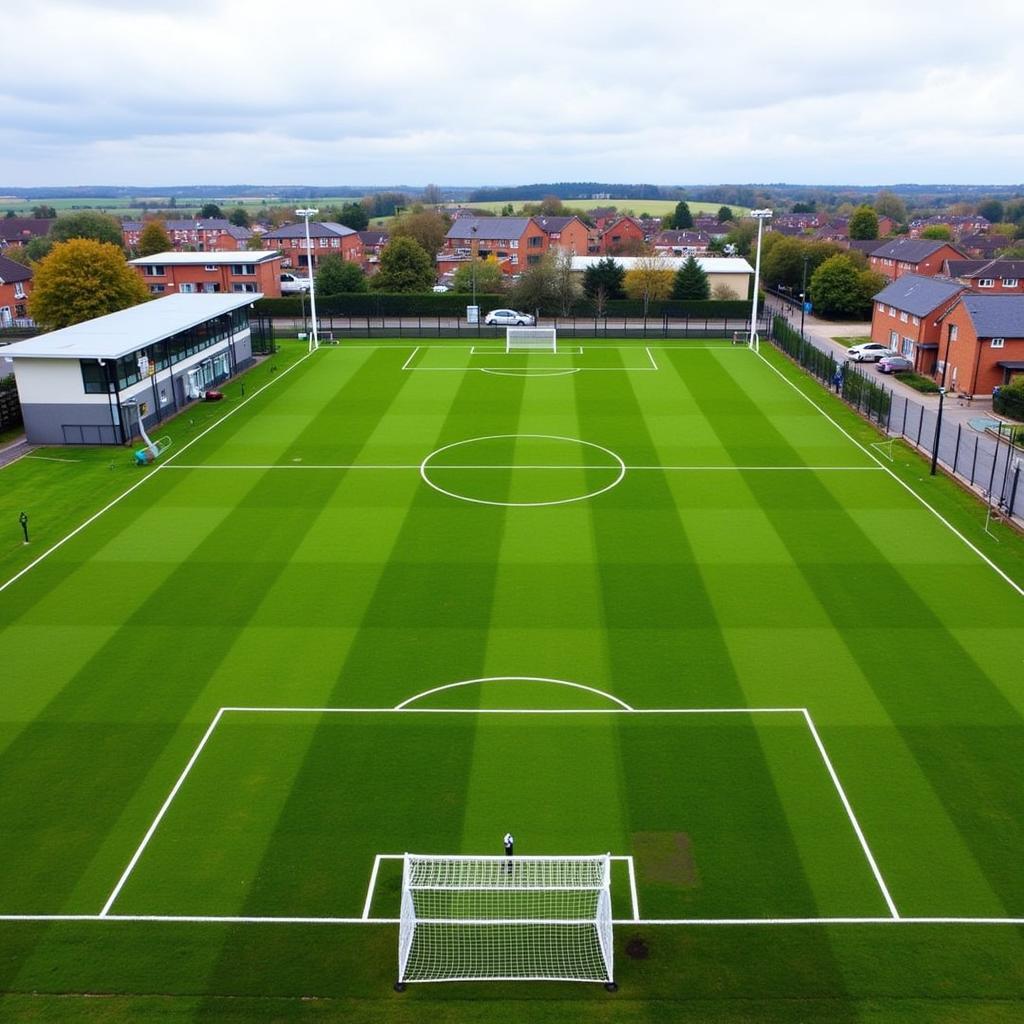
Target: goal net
column 519, row 339
column 505, row 919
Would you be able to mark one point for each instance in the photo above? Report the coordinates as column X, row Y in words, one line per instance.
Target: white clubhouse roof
column 118, row 334
column 193, row 259
column 709, row 264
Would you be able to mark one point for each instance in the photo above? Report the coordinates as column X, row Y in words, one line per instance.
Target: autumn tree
column 650, row 280
column 432, row 195
column 154, row 239
column 45, row 212
column 888, row 204
column 426, row 227
column 404, row 267
column 82, row 279
column 488, row 276
column 100, row 227
column 938, row 233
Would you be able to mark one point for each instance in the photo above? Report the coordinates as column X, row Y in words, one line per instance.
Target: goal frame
column 495, row 880
column 536, row 339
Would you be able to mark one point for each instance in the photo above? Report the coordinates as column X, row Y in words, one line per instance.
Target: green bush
column 923, row 384
column 1010, row 400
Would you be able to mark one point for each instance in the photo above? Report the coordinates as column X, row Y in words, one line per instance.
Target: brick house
column 622, row 233
column 959, row 224
column 372, row 243
column 983, row 341
column 211, row 272
column 994, row 277
column 680, row 243
column 984, row 246
column 921, row 256
column 568, row 233
column 516, row 242
column 325, row 237
column 906, row 316
column 15, row 285
column 21, row 230
column 213, row 234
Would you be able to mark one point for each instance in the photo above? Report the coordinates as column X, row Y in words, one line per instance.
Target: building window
column 881, row 307
column 243, row 269
column 531, row 260
column 998, row 342
column 915, row 321
column 907, row 347
column 157, row 289
column 535, row 241
column 187, row 288
column 894, row 339
column 211, row 267
column 335, row 243
column 19, row 289
column 155, row 270
column 903, row 317
column 513, row 243
column 986, row 282
column 210, row 287
column 952, row 332
column 1010, row 282
column 242, row 287
column 324, row 243
column 892, row 311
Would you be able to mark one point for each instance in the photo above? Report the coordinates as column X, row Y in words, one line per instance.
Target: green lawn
column 694, row 624
column 652, row 207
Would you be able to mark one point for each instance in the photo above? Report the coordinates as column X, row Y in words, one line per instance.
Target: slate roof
column 24, row 229
column 488, row 227
column 918, row 295
column 11, row 272
column 1001, row 269
column 995, row 316
column 909, row 250
column 317, row 229
column 373, row 238
column 552, row 224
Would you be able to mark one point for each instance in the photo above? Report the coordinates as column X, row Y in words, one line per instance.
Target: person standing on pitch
column 509, row 842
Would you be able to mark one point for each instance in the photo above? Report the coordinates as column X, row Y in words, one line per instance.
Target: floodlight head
column 306, row 211
column 761, row 214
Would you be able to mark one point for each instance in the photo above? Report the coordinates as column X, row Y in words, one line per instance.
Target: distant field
column 131, row 206
column 654, row 207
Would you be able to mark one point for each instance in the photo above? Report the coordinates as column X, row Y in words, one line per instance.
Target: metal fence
column 987, row 460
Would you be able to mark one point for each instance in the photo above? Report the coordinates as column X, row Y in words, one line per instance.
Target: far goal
column 534, row 339
column 505, row 919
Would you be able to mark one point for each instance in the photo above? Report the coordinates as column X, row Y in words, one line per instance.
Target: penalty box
column 571, row 356
column 729, row 814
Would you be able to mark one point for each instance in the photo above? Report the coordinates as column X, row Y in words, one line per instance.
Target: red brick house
column 516, row 242
column 680, row 243
column 921, row 256
column 15, row 285
column 907, row 313
column 568, row 233
column 213, row 234
column 372, row 243
column 994, row 277
column 21, row 230
column 211, row 272
column 983, row 341
column 621, row 234
column 958, row 224
column 325, row 237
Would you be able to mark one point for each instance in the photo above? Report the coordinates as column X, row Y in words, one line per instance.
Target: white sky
column 467, row 92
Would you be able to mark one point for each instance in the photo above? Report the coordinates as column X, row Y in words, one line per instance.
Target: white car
column 869, row 352
column 291, row 283
column 509, row 318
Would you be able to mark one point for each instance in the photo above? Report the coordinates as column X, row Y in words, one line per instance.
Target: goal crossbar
column 544, row 339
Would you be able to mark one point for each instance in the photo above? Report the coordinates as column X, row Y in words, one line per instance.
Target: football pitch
column 645, row 600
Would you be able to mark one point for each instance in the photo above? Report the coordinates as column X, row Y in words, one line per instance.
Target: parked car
column 894, row 364
column 509, row 318
column 869, row 352
column 293, row 283
column 441, row 288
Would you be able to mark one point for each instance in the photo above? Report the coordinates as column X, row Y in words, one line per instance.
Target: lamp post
column 942, row 396
column 803, row 295
column 472, row 257
column 760, row 216
column 305, row 213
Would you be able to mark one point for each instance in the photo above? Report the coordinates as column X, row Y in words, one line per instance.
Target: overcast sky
column 465, row 92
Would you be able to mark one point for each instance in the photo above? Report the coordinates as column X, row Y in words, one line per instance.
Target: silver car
column 869, row 352
column 509, row 318
column 894, row 364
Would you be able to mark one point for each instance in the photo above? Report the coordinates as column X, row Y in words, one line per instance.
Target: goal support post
column 506, row 919
column 531, row 339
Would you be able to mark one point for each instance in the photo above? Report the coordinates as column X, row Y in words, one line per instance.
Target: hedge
column 378, row 304
column 1009, row 402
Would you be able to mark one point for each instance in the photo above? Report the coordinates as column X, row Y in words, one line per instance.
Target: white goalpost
column 532, row 339
column 505, row 919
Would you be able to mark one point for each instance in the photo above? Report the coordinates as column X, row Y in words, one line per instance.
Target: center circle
column 522, row 470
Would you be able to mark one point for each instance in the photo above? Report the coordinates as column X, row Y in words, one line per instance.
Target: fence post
column 974, row 461
column 956, row 450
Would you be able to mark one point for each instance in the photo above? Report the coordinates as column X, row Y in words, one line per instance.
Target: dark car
column 894, row 364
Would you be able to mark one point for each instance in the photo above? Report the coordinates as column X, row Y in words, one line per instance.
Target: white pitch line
column 256, row 709
column 405, row 365
column 159, row 467
column 871, row 455
column 370, row 888
column 49, row 458
column 853, row 817
column 651, row 357
column 632, row 889
column 160, row 814
column 416, row 466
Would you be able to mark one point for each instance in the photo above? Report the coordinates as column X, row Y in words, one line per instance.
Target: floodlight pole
column 760, row 216
column 305, row 213
column 803, row 295
column 472, row 257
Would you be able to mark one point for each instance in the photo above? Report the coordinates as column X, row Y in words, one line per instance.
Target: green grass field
column 131, row 206
column 652, row 207
column 647, row 600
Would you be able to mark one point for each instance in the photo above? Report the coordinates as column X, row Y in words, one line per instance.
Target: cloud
column 219, row 91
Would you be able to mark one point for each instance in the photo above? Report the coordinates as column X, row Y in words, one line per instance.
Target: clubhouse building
column 89, row 383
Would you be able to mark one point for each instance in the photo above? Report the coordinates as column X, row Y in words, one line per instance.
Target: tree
column 551, row 206
column 690, row 281
column 888, row 204
column 87, row 224
column 154, row 239
column 938, row 232
column 564, row 282
column 336, row 276
column 46, row 212
column 353, row 215
column 682, row 218
column 211, row 211
column 404, row 267
column 604, row 277
column 724, row 214
column 743, row 235
column 724, row 293
column 810, row 207
column 838, row 289
column 863, row 223
column 650, row 280
column 992, row 210
column 239, row 216
column 535, row 288
column 489, row 278
column 426, row 227
column 37, row 248
column 82, row 279
column 432, row 195
column 18, row 254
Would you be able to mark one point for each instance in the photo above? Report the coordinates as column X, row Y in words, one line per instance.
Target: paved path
column 15, row 451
